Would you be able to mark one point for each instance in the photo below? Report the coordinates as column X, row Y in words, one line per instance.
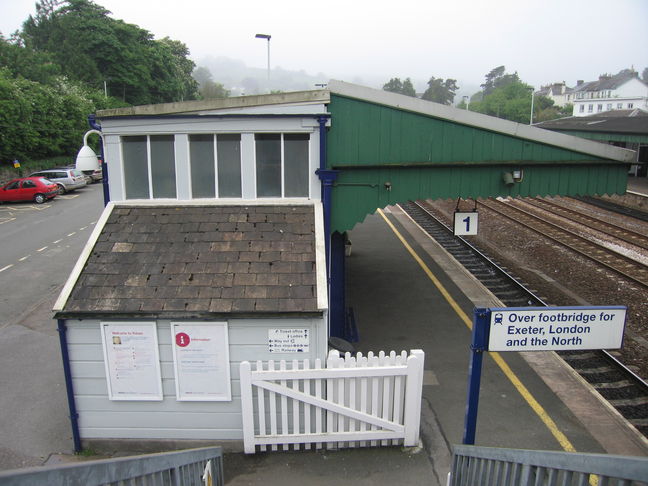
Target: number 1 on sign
column 465, row 223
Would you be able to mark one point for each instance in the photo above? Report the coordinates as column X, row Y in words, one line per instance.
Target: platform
column 528, row 400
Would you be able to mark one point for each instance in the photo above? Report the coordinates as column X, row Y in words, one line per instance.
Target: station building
column 226, row 226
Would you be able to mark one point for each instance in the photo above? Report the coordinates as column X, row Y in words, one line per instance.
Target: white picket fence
column 356, row 401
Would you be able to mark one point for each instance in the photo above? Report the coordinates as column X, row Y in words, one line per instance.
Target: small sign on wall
column 132, row 361
column 288, row 340
column 466, row 223
column 201, row 361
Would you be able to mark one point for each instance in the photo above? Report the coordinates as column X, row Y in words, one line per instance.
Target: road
column 40, row 245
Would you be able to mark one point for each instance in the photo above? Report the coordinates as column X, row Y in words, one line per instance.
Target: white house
column 560, row 93
column 623, row 91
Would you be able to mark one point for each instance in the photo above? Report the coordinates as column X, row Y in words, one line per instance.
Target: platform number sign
column 465, row 223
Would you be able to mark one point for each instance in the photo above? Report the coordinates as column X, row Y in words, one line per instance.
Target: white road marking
column 4, row 268
column 72, row 234
column 24, row 258
column 41, row 249
column 57, row 241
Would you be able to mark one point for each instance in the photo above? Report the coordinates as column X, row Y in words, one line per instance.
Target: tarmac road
column 40, row 244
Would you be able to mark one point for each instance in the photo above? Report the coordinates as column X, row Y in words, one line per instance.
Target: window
column 149, row 166
column 28, row 184
column 599, row 107
column 630, row 105
column 609, row 106
column 590, row 108
column 215, row 169
column 282, row 165
column 619, row 106
column 581, row 108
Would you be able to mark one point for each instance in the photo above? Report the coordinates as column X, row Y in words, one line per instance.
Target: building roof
column 200, row 261
column 615, row 121
column 606, row 82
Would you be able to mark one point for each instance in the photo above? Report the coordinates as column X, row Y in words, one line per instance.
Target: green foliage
column 395, row 85
column 207, row 88
column 440, row 90
column 511, row 102
column 94, row 48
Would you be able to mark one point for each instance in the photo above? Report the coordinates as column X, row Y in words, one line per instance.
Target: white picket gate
column 350, row 402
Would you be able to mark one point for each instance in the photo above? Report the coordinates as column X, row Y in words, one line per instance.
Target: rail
column 488, row 466
column 180, row 468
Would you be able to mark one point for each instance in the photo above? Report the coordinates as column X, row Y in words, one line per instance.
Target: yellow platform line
column 508, row 372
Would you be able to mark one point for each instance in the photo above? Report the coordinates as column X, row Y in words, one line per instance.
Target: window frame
column 148, row 165
column 308, row 141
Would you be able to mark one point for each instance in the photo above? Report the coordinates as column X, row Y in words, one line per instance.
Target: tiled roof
column 201, row 261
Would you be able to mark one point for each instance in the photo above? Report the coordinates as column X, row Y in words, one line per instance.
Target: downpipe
column 69, row 388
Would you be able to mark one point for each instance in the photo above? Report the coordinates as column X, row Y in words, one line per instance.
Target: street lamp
column 266, row 36
column 531, row 117
column 466, row 100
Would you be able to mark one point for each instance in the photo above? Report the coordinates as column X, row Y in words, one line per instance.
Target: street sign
column 536, row 329
column 465, row 223
column 556, row 328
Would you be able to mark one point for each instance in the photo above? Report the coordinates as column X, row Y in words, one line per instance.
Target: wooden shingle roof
column 200, row 261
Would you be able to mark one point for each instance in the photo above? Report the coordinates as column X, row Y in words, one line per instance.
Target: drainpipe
column 328, row 177
column 74, row 416
column 104, row 167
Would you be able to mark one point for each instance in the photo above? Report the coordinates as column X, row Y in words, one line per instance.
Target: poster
column 132, row 361
column 201, row 361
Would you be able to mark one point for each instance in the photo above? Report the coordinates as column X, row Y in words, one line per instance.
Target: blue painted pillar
column 479, row 344
column 337, row 304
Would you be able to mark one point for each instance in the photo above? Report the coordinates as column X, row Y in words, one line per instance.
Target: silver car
column 66, row 179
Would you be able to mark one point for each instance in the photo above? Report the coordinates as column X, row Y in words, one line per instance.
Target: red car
column 37, row 189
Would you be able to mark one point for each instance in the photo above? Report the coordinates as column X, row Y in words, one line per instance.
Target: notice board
column 201, row 361
column 132, row 360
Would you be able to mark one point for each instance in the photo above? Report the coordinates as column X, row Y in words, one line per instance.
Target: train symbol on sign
column 498, row 318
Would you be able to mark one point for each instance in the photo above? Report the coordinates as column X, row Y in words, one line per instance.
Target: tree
column 94, row 48
column 511, row 102
column 207, row 87
column 498, row 78
column 644, row 75
column 440, row 90
column 395, row 85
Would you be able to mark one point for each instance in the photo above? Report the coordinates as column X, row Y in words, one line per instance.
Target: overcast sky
column 543, row 40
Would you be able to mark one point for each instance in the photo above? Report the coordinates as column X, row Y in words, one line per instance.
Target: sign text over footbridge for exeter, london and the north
column 556, row 328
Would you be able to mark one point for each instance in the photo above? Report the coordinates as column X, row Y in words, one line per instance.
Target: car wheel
column 61, row 189
column 39, row 199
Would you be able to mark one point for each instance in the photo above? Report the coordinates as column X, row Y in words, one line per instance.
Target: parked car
column 66, row 179
column 94, row 175
column 37, row 189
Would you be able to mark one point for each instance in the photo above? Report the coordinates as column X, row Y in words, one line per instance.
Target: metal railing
column 181, row 468
column 486, row 466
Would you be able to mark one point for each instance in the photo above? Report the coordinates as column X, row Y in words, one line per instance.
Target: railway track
column 621, row 387
column 621, row 264
column 571, row 214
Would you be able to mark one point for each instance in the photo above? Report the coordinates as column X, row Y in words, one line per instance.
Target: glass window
column 163, row 176
column 203, row 172
column 135, row 161
column 28, row 184
column 590, row 108
column 630, row 105
column 582, row 108
column 296, row 165
column 228, row 149
column 619, row 106
column 609, row 106
column 268, row 165
column 599, row 107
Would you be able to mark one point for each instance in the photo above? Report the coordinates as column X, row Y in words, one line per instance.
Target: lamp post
column 267, row 37
column 531, row 117
column 466, row 100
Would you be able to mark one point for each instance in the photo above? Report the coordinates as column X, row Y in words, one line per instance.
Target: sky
column 544, row 41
